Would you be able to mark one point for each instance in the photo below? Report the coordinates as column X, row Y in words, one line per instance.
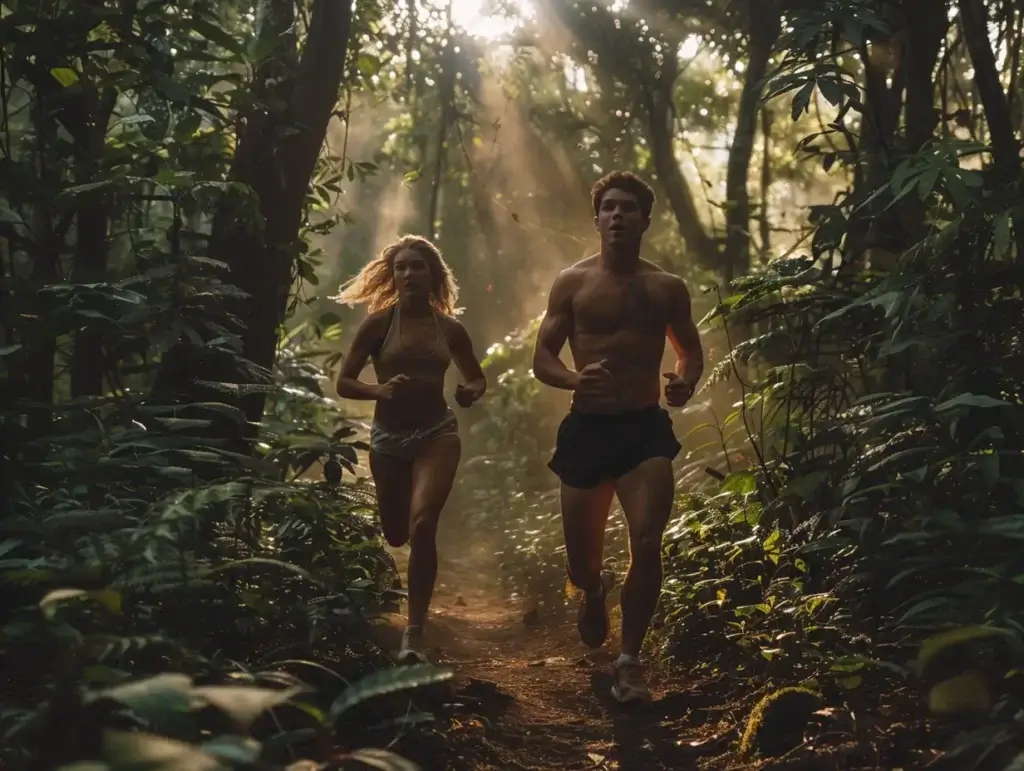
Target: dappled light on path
column 533, row 697
column 528, row 696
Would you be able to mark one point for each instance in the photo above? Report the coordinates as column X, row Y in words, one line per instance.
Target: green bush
column 135, row 546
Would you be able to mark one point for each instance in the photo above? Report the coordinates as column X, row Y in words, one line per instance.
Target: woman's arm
column 349, row 385
column 466, row 361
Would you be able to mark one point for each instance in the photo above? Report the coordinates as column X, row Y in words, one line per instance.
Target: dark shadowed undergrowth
column 190, row 568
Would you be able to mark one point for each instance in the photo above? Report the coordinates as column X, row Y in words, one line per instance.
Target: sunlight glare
column 478, row 20
column 690, row 47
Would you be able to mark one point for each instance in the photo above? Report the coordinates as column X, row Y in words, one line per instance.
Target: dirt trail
column 536, row 698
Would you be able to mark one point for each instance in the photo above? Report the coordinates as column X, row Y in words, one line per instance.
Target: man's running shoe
column 592, row 618
column 629, row 683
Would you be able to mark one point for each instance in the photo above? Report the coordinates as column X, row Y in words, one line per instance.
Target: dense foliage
column 869, row 482
column 189, row 563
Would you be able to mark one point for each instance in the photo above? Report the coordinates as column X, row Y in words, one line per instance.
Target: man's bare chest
column 605, row 306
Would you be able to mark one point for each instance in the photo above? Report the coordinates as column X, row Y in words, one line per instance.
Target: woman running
column 412, row 338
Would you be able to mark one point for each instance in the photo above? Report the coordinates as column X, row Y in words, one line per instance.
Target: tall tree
column 279, row 141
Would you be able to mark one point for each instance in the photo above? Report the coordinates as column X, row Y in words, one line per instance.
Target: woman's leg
column 392, row 477
column 433, row 472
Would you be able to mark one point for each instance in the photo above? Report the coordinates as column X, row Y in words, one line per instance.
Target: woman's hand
column 468, row 393
column 393, row 388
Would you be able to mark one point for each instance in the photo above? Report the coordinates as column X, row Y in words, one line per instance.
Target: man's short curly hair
column 628, row 182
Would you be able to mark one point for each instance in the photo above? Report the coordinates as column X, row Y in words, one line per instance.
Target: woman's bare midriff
column 424, row 406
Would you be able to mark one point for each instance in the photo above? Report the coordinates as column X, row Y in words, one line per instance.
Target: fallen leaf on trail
column 548, row 662
column 710, row 744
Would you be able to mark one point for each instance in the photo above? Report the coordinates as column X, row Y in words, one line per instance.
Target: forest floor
column 529, row 696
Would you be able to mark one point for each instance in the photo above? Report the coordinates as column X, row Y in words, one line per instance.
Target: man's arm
column 683, row 335
column 548, row 368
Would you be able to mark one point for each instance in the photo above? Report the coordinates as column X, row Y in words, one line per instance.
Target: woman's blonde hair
column 375, row 283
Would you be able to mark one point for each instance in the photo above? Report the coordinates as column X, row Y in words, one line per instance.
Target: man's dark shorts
column 591, row 449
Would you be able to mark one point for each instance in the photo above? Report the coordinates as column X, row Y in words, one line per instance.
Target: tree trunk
column 92, row 247
column 92, row 219
column 872, row 229
column 657, row 98
column 277, row 152
column 446, row 95
column 765, row 26
column 926, row 25
column 764, row 221
column 986, row 79
column 1005, row 148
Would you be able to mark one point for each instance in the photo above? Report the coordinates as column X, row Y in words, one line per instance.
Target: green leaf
column 740, row 482
column 802, row 99
column 389, row 681
column 131, row 751
column 244, row 703
column 235, row 749
column 890, row 301
column 287, row 566
column 64, row 75
column 988, row 464
column 9, row 215
column 832, row 90
column 136, row 119
column 937, row 643
column 220, row 36
column 1007, row 526
column 382, row 759
column 152, row 699
column 101, row 675
column 89, row 187
column 958, row 192
column 1001, row 236
column 307, row 272
column 52, row 602
column 926, row 182
column 971, row 400
column 923, row 607
column 186, row 127
column 806, row 486
column 179, row 424
column 368, row 64
column 904, row 177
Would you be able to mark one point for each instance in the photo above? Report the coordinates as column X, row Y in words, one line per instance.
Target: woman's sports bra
column 424, row 359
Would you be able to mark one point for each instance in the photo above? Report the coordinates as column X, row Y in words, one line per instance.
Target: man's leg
column 584, row 518
column 646, row 494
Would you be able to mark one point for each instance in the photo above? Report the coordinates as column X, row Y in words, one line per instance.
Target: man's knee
column 646, row 542
column 424, row 525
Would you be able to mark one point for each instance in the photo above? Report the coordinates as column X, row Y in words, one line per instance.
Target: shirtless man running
column 616, row 310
